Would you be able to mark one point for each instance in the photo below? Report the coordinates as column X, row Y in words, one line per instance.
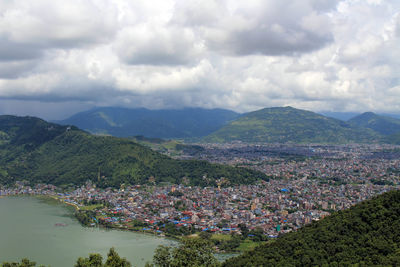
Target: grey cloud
column 28, row 30
column 268, row 42
column 157, row 46
column 324, row 5
column 283, row 28
column 398, row 26
column 15, row 69
column 198, row 13
column 263, row 27
column 10, row 51
column 45, row 110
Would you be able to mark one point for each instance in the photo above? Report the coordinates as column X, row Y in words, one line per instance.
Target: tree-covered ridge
column 74, row 156
column 291, row 125
column 367, row 234
column 28, row 131
column 124, row 122
column 382, row 124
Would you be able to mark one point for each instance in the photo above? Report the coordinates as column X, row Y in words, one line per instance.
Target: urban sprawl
column 306, row 183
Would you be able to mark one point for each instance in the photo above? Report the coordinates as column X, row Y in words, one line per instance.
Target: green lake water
column 27, row 229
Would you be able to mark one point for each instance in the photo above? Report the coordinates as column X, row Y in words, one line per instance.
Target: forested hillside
column 367, row 234
column 49, row 153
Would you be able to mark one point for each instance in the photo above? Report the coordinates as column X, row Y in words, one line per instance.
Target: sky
column 59, row 57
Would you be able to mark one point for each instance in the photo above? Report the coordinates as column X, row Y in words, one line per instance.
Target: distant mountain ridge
column 276, row 124
column 384, row 125
column 287, row 124
column 124, row 122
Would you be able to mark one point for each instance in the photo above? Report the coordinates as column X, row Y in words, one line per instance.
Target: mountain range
column 277, row 124
column 124, row 122
column 287, row 124
column 40, row 152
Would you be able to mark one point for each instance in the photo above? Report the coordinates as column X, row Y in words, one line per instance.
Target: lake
column 28, row 229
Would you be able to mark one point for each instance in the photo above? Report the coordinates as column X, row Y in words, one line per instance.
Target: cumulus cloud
column 260, row 27
column 154, row 45
column 241, row 55
column 28, row 28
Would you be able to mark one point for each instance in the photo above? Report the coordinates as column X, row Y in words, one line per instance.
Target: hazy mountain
column 367, row 234
column 343, row 116
column 382, row 124
column 287, row 124
column 37, row 151
column 396, row 116
column 392, row 139
column 123, row 122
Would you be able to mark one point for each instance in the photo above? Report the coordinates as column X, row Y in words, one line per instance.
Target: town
column 306, row 184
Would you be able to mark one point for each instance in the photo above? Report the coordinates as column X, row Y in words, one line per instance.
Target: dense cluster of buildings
column 307, row 183
column 276, row 206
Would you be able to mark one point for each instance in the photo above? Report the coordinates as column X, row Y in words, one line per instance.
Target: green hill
column 38, row 151
column 124, row 122
column 367, row 234
column 288, row 124
column 381, row 124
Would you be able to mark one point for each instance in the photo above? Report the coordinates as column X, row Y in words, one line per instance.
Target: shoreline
column 62, row 201
column 77, row 208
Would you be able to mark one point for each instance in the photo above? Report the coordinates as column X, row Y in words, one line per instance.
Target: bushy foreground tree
column 194, row 252
column 94, row 260
column 23, row 263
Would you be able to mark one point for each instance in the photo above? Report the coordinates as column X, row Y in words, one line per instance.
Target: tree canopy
column 194, row 252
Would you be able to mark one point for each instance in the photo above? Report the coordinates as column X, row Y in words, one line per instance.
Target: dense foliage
column 123, row 122
column 367, row 234
column 70, row 156
column 193, row 252
column 23, row 263
column 291, row 125
column 381, row 124
column 94, row 260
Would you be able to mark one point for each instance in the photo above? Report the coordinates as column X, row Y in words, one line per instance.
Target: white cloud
column 27, row 28
column 241, row 55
